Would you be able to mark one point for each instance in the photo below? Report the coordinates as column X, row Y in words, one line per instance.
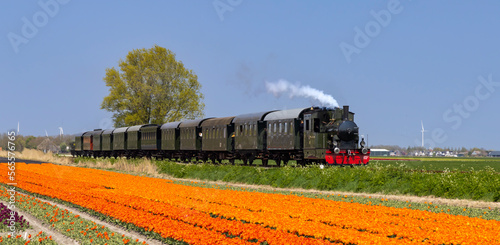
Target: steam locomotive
column 306, row 135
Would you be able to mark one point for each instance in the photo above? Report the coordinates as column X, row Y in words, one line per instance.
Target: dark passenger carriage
column 88, row 145
column 107, row 142
column 150, row 140
column 97, row 142
column 170, row 140
column 250, row 137
column 120, row 142
column 284, row 134
column 190, row 137
column 217, row 140
column 79, row 144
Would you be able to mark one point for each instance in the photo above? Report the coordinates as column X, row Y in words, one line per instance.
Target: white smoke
column 296, row 90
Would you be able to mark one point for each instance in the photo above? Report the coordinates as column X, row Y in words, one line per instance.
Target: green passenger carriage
column 107, row 142
column 96, row 142
column 120, row 141
column 150, row 139
column 217, row 138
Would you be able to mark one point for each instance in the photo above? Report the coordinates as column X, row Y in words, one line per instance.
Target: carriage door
column 308, row 132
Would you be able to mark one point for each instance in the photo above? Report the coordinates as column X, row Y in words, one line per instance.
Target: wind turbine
column 61, row 132
column 423, row 130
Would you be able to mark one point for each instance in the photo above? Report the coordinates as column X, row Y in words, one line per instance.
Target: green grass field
column 442, row 163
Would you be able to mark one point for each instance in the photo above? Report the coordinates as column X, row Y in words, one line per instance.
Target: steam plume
column 296, row 90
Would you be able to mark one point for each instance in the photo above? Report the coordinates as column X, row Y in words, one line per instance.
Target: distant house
column 494, row 154
column 47, row 145
column 379, row 152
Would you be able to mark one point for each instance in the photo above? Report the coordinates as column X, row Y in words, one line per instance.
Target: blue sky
column 395, row 63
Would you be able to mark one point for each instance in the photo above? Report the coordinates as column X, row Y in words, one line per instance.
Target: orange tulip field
column 198, row 215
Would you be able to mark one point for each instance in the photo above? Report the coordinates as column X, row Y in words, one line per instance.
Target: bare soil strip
column 37, row 226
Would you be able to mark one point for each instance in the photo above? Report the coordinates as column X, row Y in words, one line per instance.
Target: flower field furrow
column 197, row 215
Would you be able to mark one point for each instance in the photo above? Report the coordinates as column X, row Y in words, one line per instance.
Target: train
column 312, row 135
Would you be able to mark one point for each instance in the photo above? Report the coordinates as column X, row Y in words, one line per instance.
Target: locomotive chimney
column 346, row 113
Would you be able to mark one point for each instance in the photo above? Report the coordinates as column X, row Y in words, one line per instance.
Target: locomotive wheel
column 278, row 161
column 231, row 161
column 301, row 162
column 251, row 159
column 265, row 161
column 285, row 162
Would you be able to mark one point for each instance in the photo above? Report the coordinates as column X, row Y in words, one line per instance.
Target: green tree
column 30, row 142
column 63, row 146
column 152, row 87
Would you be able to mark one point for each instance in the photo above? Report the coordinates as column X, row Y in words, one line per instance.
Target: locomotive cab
column 315, row 133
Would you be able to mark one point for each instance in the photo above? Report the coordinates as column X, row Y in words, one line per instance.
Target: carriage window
column 286, row 128
column 281, row 128
column 269, row 127
column 225, row 132
column 307, row 125
column 274, row 127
